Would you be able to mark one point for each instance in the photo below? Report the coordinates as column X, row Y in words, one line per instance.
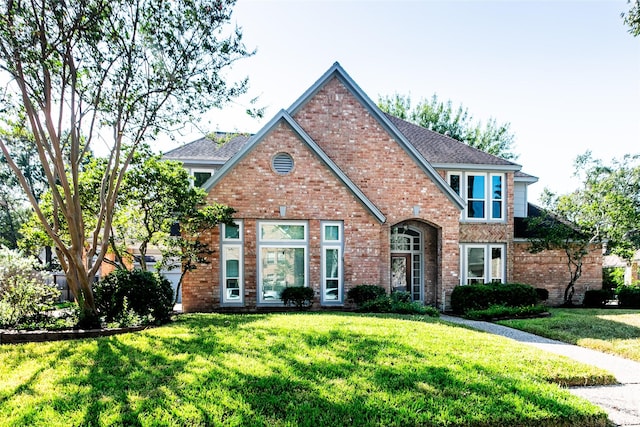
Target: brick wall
column 549, row 270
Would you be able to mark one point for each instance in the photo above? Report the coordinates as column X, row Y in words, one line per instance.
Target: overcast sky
column 566, row 75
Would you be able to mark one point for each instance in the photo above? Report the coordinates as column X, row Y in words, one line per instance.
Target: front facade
column 333, row 193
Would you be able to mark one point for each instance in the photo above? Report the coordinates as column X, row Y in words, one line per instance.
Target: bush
column 501, row 312
column 596, row 298
column 25, row 294
column 481, row 297
column 612, row 277
column 146, row 294
column 299, row 295
column 363, row 293
column 542, row 294
column 398, row 302
column 629, row 297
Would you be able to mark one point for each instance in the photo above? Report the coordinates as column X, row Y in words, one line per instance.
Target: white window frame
column 332, row 245
column 234, row 243
column 284, row 244
column 488, row 195
column 488, row 267
column 193, row 172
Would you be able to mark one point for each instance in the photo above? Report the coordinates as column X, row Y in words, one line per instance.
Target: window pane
column 200, row 178
column 475, row 209
column 496, row 211
column 454, row 181
column 475, row 187
column 233, row 268
column 331, row 232
column 496, row 187
column 331, row 269
column 331, row 290
column 281, row 232
column 287, row 271
column 496, row 265
column 231, row 231
column 475, row 265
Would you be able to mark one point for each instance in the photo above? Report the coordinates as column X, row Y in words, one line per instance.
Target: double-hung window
column 332, row 244
column 482, row 263
column 483, row 194
column 282, row 258
column 232, row 263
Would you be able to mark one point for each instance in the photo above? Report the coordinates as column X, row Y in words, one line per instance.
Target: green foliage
column 443, row 118
column 632, row 18
column 629, row 296
column 25, row 293
column 596, row 298
column 300, row 296
column 481, row 297
column 363, row 293
column 147, row 294
column 612, row 277
column 397, row 302
column 503, row 312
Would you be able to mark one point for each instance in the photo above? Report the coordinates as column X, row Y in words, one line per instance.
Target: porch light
column 283, row 210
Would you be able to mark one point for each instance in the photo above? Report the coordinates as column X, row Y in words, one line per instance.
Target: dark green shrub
column 300, row 296
column 146, row 293
column 542, row 294
column 480, row 297
column 596, row 298
column 502, row 312
column 381, row 304
column 400, row 297
column 362, row 293
column 629, row 297
column 398, row 302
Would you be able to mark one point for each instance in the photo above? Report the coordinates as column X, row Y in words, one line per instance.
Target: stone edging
column 17, row 337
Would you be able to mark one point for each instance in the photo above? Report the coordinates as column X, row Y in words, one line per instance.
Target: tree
column 443, row 118
column 552, row 231
column 632, row 18
column 188, row 250
column 111, row 71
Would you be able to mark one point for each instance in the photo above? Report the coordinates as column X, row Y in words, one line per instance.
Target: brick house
column 333, row 193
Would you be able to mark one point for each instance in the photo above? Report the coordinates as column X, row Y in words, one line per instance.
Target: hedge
column 481, row 297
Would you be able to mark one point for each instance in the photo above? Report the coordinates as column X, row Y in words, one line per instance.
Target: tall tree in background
column 116, row 72
column 443, row 118
column 632, row 18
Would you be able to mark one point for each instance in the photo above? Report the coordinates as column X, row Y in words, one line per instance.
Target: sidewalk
column 621, row 402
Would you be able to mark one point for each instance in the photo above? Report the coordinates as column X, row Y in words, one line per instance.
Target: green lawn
column 612, row 331
column 293, row 370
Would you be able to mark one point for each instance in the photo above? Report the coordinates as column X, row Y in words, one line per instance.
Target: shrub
column 480, row 297
column 25, row 294
column 629, row 297
column 398, row 302
column 299, row 295
column 363, row 293
column 612, row 277
column 147, row 295
column 381, row 304
column 596, row 298
column 501, row 311
column 542, row 294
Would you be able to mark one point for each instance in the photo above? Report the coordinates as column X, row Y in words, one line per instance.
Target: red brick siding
column 549, row 270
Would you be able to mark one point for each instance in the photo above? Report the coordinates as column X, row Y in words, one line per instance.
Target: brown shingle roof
column 440, row 149
column 222, row 149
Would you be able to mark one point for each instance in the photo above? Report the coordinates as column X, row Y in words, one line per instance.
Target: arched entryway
column 414, row 255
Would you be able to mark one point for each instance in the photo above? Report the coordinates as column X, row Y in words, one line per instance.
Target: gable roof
column 206, row 150
column 441, row 150
column 336, row 71
column 283, row 116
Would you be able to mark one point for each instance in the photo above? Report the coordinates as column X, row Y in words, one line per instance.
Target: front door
column 401, row 272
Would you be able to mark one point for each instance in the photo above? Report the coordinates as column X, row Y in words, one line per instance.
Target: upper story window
column 483, row 194
column 200, row 176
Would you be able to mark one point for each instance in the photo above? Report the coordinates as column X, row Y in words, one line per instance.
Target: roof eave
column 477, row 167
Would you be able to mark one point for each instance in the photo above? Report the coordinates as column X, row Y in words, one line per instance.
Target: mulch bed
column 17, row 337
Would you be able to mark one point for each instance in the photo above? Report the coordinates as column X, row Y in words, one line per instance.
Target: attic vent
column 282, row 163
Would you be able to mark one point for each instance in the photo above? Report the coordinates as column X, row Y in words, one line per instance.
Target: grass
column 309, row 369
column 611, row 331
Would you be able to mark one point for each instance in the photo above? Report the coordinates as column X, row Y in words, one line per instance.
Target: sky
column 564, row 74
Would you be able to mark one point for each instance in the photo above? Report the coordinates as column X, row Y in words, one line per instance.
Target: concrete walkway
column 621, row 402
